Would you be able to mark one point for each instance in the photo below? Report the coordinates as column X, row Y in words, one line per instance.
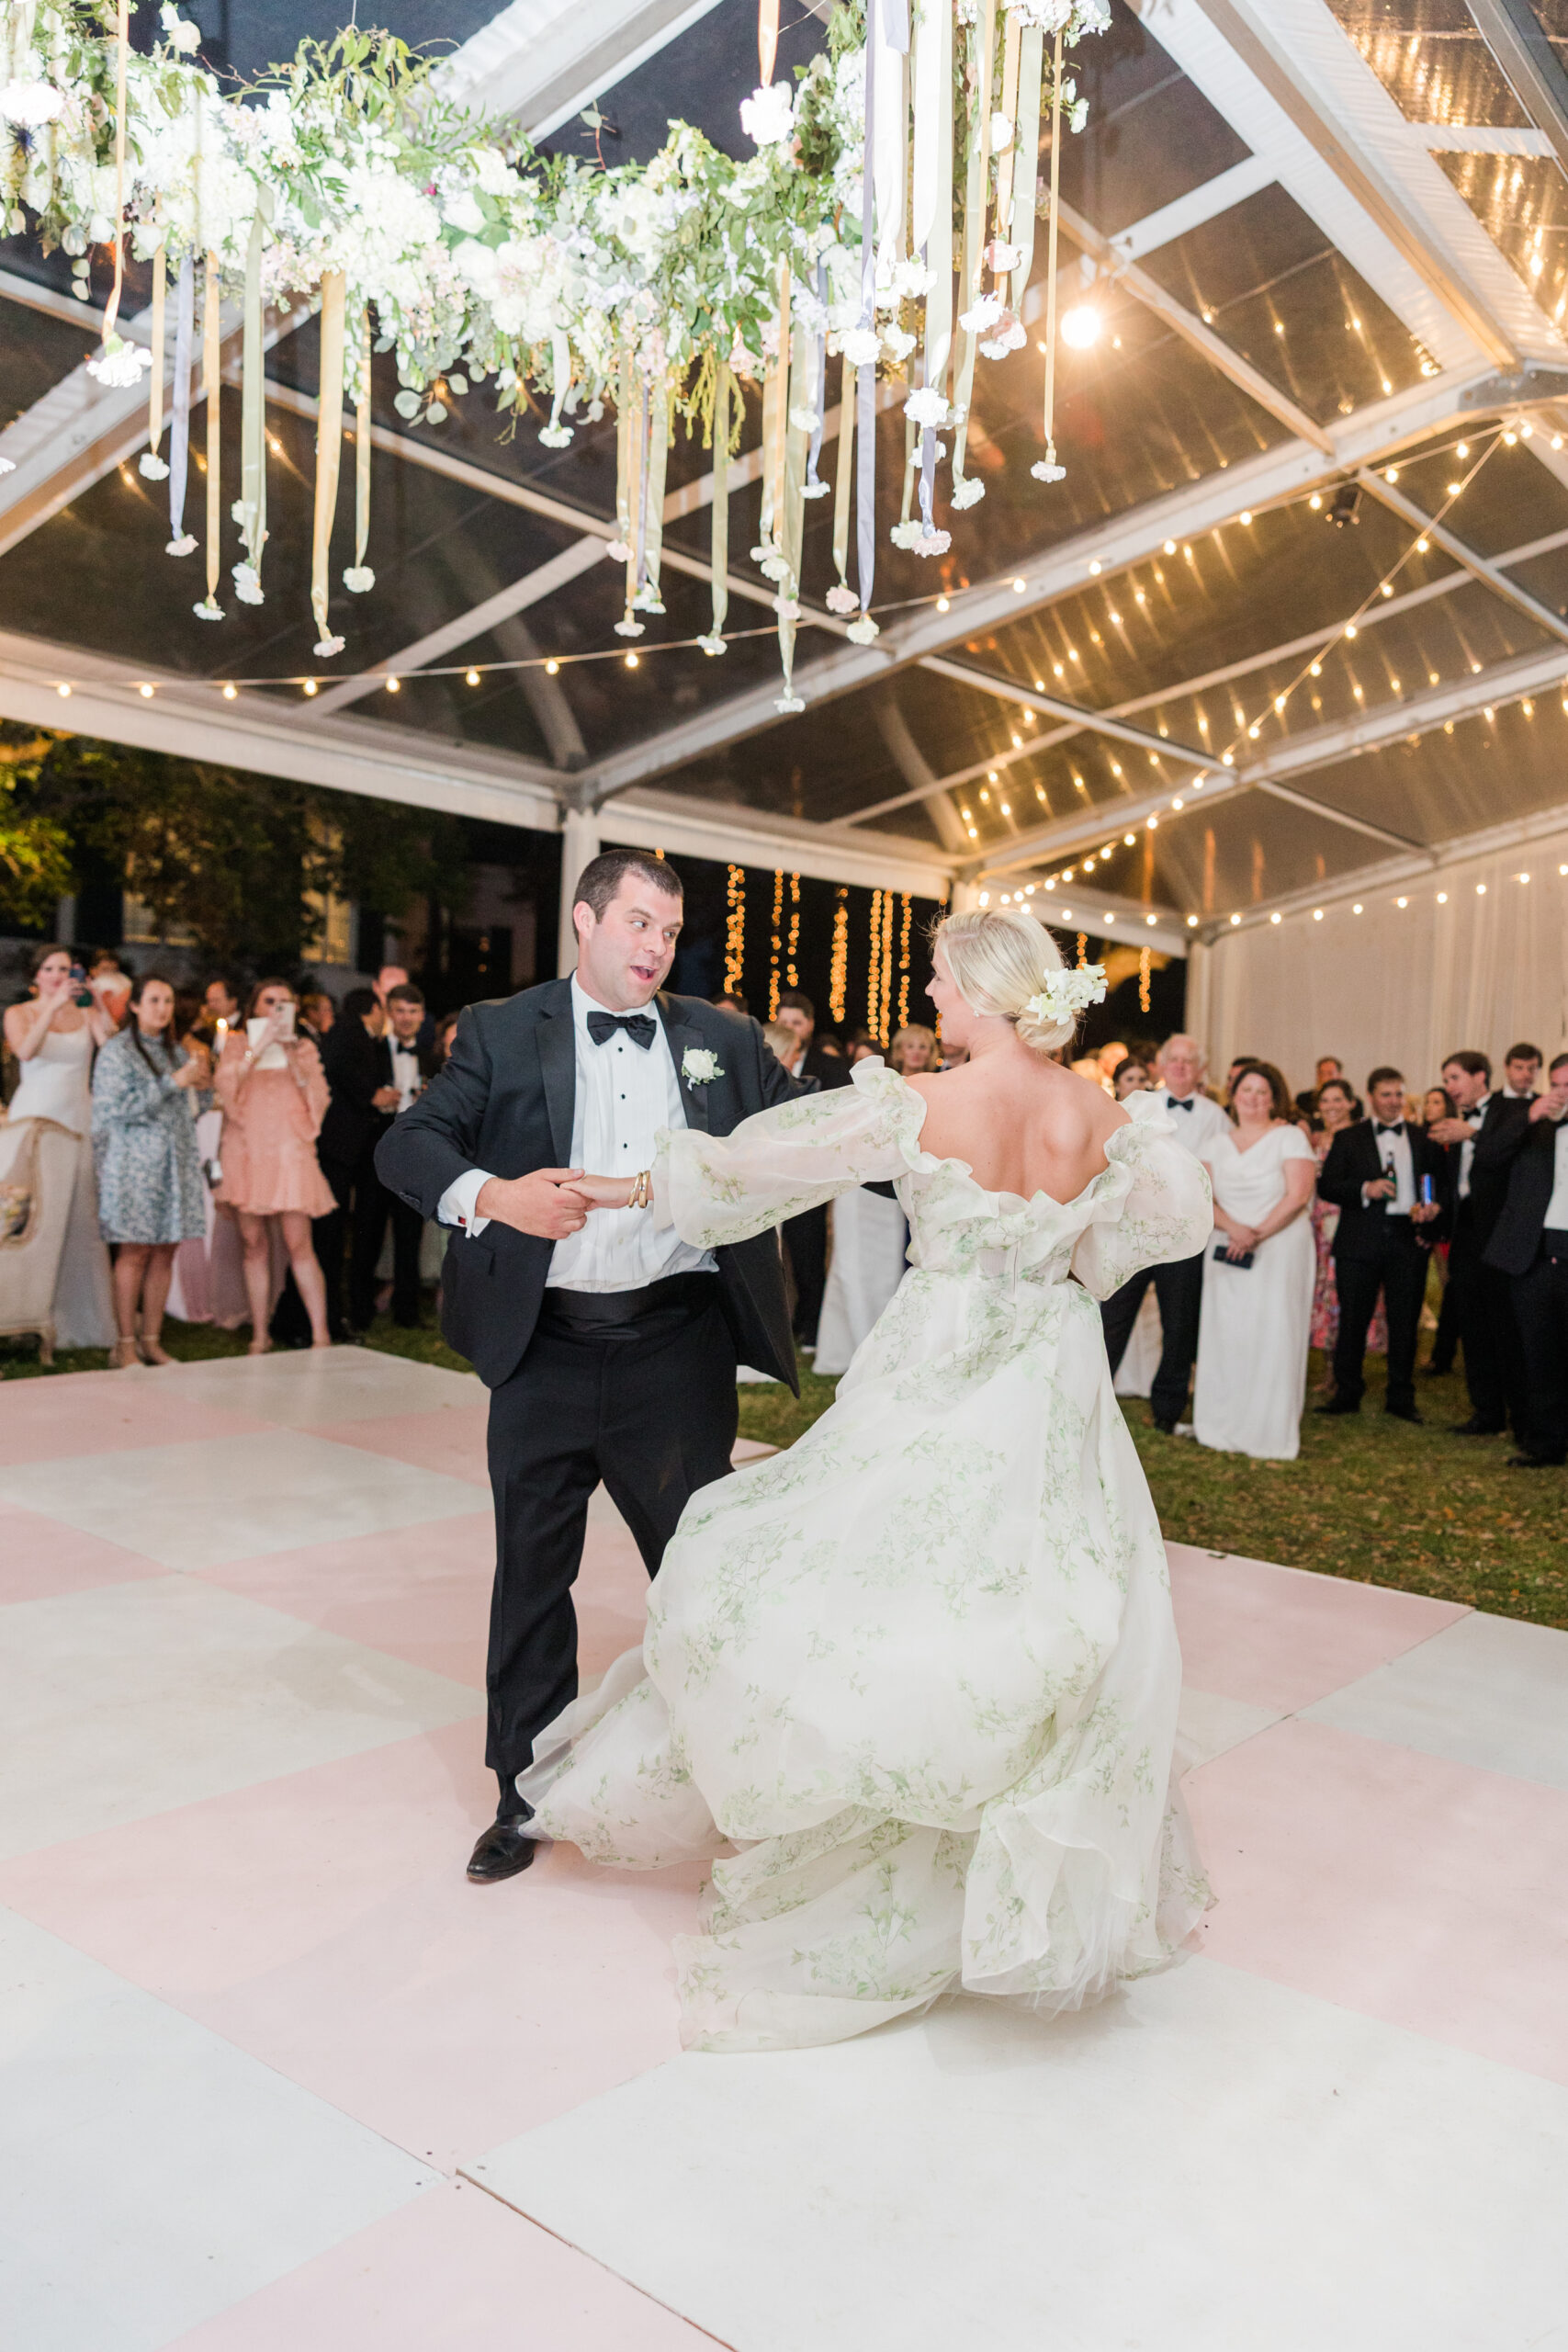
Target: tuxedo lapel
column 556, row 1037
column 682, row 1035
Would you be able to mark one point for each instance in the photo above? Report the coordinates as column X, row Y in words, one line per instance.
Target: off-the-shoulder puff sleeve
column 719, row 1189
column 1152, row 1204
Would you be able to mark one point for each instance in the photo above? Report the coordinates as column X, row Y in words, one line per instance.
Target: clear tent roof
column 1325, row 240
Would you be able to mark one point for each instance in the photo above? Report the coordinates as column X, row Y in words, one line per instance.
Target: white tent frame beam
column 1515, row 35
column 1480, row 566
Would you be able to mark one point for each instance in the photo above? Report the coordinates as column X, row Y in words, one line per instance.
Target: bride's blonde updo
column 999, row 962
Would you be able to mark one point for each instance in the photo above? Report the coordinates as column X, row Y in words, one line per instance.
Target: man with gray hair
column 1179, row 1286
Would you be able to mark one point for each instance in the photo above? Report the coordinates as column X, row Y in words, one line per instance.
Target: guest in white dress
column 54, row 1039
column 871, row 1235
column 1256, row 1321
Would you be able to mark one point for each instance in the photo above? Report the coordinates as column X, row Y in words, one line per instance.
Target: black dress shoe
column 1476, row 1427
column 1166, row 1429
column 1338, row 1405
column 1406, row 1413
column 503, row 1850
column 1535, row 1461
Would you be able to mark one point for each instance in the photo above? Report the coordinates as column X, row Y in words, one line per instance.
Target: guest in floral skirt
column 146, row 1092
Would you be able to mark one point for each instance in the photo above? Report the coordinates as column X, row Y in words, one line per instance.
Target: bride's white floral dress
column 912, row 1685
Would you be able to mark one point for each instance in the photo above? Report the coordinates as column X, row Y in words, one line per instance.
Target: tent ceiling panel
column 35, row 353
column 1430, row 58
column 1246, row 851
column 1522, row 201
column 1150, row 138
column 1512, row 501
column 1267, row 279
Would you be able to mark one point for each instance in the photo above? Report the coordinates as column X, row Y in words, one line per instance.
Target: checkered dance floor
column 273, row 2074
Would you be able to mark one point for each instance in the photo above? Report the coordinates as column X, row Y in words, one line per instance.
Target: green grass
column 1369, row 1499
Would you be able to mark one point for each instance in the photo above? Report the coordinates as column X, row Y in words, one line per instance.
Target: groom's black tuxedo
column 505, row 1102
column 635, row 1387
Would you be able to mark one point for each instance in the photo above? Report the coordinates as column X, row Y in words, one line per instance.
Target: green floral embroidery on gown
column 911, row 1687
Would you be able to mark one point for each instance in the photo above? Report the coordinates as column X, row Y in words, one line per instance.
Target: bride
column 912, row 1686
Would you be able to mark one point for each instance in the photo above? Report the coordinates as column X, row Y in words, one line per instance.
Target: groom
column 609, row 1345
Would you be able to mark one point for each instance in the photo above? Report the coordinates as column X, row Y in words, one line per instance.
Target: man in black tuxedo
column 609, row 1345
column 1473, row 1201
column 1373, row 1176
column 1521, row 1072
column 407, row 1069
column 805, row 1236
column 359, row 1066
column 1530, row 1244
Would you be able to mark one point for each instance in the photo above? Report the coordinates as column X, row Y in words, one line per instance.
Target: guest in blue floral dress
column 150, row 1182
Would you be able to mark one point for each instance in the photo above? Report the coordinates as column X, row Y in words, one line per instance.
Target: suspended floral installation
column 345, row 181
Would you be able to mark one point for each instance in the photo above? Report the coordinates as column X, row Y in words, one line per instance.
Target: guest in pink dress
column 274, row 1095
column 1336, row 1109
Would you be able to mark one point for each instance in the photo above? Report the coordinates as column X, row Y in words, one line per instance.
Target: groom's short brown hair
column 601, row 878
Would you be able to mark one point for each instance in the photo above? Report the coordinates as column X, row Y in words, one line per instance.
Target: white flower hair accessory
column 699, row 1066
column 1068, row 994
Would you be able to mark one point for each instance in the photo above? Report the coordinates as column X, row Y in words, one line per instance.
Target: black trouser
column 1446, row 1344
column 1398, row 1271
column 327, row 1235
column 373, row 1204
column 806, row 1238
column 1541, row 1310
column 635, row 1387
column 1179, row 1290
column 1485, row 1329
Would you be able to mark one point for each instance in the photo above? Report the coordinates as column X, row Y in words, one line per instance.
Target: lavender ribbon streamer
column 819, row 382
column 179, row 427
column 865, row 378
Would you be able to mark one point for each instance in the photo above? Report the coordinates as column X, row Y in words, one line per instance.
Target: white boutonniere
column 698, row 1067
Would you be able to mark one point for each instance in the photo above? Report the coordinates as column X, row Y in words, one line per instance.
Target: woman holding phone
column 54, row 1038
column 274, row 1095
column 1258, row 1276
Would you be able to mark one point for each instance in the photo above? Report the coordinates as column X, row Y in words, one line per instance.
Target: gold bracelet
column 642, row 1189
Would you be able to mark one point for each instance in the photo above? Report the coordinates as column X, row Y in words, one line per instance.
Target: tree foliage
column 231, row 860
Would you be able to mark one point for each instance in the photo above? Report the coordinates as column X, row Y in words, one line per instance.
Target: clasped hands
column 552, row 1202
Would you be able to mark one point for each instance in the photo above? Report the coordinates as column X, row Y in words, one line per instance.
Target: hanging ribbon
column 151, row 467
column 838, row 598
column 629, row 625
column 815, row 486
column 911, row 445
column 767, row 39
column 762, row 551
column 118, row 362
column 865, row 628
column 1009, row 114
column 649, row 599
column 792, row 533
column 624, row 395
column 719, row 548
column 253, row 425
column 891, row 149
column 359, row 578
column 329, row 454
column 1026, row 159
column 936, row 239
column 779, row 453
column 209, row 609
column 1048, row 469
column 967, row 492
column 180, row 540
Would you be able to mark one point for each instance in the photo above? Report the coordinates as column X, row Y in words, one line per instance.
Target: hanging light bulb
column 1081, row 326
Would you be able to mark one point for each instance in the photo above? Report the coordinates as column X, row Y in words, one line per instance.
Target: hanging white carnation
column 842, row 600
column 359, row 580
column 151, row 466
column 1001, row 133
column 967, row 492
column 915, row 539
column 119, row 364
column 1044, row 472
column 247, row 585
column 178, row 33
column 207, row 610
column 326, row 647
column 927, row 406
column 29, row 104
column 767, row 117
column 861, row 347
column 862, row 632
column 983, row 314
column 555, row 437
column 788, row 705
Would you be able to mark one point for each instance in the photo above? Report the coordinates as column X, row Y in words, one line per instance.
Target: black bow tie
column 1378, row 1127
column 639, row 1027
column 1177, row 1104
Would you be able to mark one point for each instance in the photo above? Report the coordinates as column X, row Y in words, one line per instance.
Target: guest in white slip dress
column 54, row 1039
column 871, row 1237
column 1256, row 1322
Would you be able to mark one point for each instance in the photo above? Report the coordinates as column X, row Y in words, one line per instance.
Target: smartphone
column 83, row 995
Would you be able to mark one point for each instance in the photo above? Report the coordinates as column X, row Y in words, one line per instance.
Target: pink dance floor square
column 104, row 1412
column 453, row 2272
column 450, row 1439
column 41, row 1558
column 323, row 1922
column 1282, row 1637
column 1428, row 1893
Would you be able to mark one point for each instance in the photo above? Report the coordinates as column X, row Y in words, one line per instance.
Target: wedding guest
column 391, row 977
column 146, row 1090
column 1329, row 1067
column 317, row 1013
column 1477, row 1293
column 1521, row 1072
column 54, row 1036
column 805, row 1236
column 1178, row 1285
column 1335, row 1110
column 1133, row 1077
column 109, row 984
column 913, row 1050
column 862, row 1046
column 358, row 1068
column 274, row 1096
column 445, row 1030
column 1239, row 1062
column 1530, row 1244
column 1435, row 1107
column 220, row 1002
column 1111, row 1057
column 412, row 1071
column 782, row 1043
column 1373, row 1175
column 1257, row 1283
column 730, row 1001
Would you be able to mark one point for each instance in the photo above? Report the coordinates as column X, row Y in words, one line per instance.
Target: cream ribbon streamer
column 976, row 198
column 151, row 465
column 1050, row 470
column 329, row 454
column 180, row 540
column 1026, row 158
column 718, row 546
column 212, row 385
column 653, row 496
column 792, row 536
column 252, row 423
column 361, row 578
column 890, row 39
